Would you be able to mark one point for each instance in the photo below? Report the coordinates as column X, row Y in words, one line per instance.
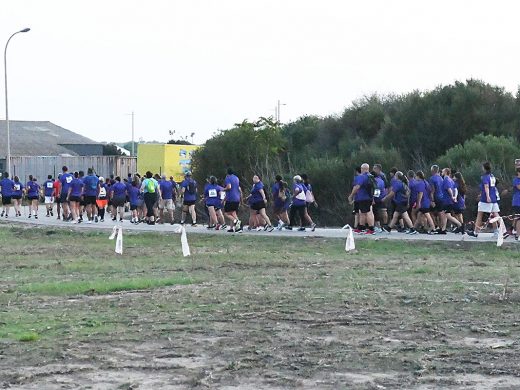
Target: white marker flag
column 117, row 233
column 350, row 245
column 184, row 239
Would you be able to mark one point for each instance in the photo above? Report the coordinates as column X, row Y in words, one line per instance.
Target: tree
column 111, row 149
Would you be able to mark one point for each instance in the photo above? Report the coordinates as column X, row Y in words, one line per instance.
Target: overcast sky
column 203, row 65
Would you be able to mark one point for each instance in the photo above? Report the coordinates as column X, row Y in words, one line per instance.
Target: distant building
column 40, row 148
column 168, row 159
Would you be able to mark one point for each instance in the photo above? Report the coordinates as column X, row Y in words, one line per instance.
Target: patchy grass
column 255, row 312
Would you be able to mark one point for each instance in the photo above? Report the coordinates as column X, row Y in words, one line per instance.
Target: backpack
column 150, row 186
column 371, row 185
column 192, row 188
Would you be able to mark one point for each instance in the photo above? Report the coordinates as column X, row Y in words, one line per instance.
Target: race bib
column 222, row 195
column 377, row 193
column 17, row 187
column 68, row 179
column 102, row 192
column 492, row 181
column 49, row 185
column 212, row 193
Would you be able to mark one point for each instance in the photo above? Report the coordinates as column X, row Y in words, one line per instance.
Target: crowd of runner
column 411, row 203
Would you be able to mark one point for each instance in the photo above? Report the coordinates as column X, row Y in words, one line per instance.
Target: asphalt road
column 200, row 229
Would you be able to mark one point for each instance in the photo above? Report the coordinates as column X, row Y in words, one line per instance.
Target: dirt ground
column 297, row 313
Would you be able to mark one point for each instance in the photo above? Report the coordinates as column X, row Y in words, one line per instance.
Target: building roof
column 39, row 138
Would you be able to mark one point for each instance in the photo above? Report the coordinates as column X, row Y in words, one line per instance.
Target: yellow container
column 170, row 160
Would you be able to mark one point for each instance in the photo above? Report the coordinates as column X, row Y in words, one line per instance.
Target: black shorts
column 378, row 206
column 17, row 197
column 189, row 202
column 447, row 208
column 258, row 206
column 231, row 206
column 424, row 211
column 363, row 206
column 6, row 200
column 33, row 197
column 63, row 198
column 401, row 208
column 457, row 211
column 516, row 209
column 75, row 198
column 82, row 201
column 133, row 207
column 90, row 200
column 118, row 202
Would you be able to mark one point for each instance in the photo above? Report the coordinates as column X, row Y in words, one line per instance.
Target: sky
column 199, row 66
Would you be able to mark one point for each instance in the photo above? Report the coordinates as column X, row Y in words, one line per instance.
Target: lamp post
column 278, row 110
column 8, row 157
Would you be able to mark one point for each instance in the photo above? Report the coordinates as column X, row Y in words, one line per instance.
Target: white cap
column 297, row 178
column 101, row 178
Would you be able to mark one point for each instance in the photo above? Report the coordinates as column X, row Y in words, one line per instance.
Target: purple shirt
column 7, row 187
column 413, row 191
column 33, row 189
column 422, row 186
column 76, row 186
column 436, row 185
column 48, row 188
column 461, row 198
column 363, row 182
column 233, row 195
column 296, row 201
column 187, row 196
column 119, row 190
column 447, row 184
column 65, row 180
column 212, row 195
column 166, row 189
column 401, row 197
column 256, row 196
column 133, row 195
column 18, row 188
column 380, row 191
column 491, row 181
column 91, row 185
column 516, row 192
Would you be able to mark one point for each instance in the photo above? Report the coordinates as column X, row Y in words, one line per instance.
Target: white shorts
column 166, row 204
column 488, row 207
column 49, row 199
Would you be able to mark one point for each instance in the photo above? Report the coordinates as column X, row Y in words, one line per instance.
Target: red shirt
column 56, row 186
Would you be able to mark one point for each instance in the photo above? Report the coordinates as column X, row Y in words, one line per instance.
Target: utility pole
column 277, row 110
column 133, row 143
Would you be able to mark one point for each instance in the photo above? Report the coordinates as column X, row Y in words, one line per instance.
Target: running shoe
column 288, row 227
column 35, row 217
column 89, row 221
column 357, row 231
column 121, row 220
column 472, row 234
column 96, row 220
column 194, row 224
column 270, row 228
column 3, row 213
column 442, row 232
column 387, row 228
column 231, row 230
column 29, row 216
column 48, row 215
column 370, row 232
column 211, row 227
column 238, row 225
column 313, row 227
column 411, row 231
column 301, row 229
column 102, row 220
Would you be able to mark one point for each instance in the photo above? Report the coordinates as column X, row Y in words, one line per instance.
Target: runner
column 460, row 205
column 298, row 204
column 212, row 200
column 167, row 199
column 258, row 202
column 362, row 198
column 378, row 206
column 281, row 200
column 57, row 190
column 150, row 188
column 48, row 192
column 74, row 197
column 516, row 203
column 66, row 179
column 17, row 196
column 90, row 193
column 118, row 193
column 134, row 200
column 82, row 203
column 488, row 198
column 310, row 199
column 423, row 203
column 33, row 195
column 400, row 192
column 412, row 211
column 448, row 200
column 102, row 199
column 189, row 194
column 233, row 199
column 436, row 184
column 6, row 189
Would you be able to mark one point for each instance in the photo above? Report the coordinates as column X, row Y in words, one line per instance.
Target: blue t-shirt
column 212, row 195
column 233, row 195
column 436, row 185
column 256, row 196
column 7, row 187
column 380, row 191
column 189, row 197
column 133, row 195
column 401, row 197
column 166, row 189
column 447, row 183
column 18, row 188
column 363, row 182
column 516, row 192
column 91, row 185
column 275, row 191
column 422, row 186
column 48, row 188
column 33, row 189
column 65, row 180
column 76, row 186
column 491, row 181
column 119, row 190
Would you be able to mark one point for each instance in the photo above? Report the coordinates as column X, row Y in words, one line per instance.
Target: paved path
column 320, row 232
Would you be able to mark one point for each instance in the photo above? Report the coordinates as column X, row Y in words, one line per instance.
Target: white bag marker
column 117, row 233
column 184, row 239
column 350, row 245
column 501, row 231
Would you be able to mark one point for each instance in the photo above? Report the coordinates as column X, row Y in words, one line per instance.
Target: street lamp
column 277, row 110
column 6, row 101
